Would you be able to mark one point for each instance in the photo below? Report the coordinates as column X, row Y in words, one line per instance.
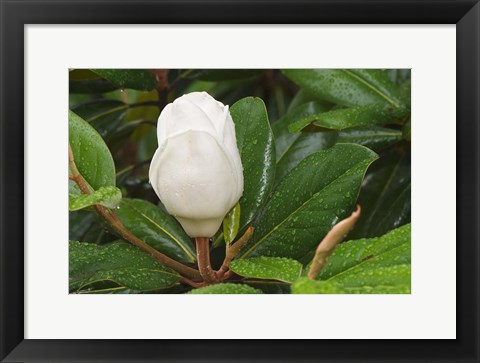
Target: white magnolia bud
column 196, row 171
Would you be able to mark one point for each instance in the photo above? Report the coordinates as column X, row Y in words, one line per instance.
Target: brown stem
column 161, row 76
column 120, row 229
column 203, row 259
column 193, row 283
column 116, row 225
column 232, row 251
column 330, row 241
column 227, row 275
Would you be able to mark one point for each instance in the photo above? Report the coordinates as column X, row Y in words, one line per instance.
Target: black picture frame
column 15, row 14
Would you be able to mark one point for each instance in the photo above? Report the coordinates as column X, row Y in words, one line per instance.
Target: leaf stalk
column 330, row 241
column 117, row 226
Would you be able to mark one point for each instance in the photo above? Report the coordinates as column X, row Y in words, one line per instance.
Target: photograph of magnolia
column 239, row 181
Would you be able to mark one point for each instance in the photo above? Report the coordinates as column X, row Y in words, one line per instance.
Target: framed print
column 239, row 181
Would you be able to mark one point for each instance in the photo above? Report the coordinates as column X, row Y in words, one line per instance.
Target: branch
column 203, row 259
column 161, row 75
column 232, row 252
column 116, row 225
column 330, row 241
column 193, row 283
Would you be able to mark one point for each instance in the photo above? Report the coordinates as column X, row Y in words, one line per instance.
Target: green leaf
column 269, row 268
column 303, row 146
column 374, row 137
column 392, row 75
column 80, row 223
column 383, row 280
column 226, row 288
column 407, row 130
column 73, row 188
column 84, row 81
column 156, row 227
column 138, row 79
column 351, row 117
column 398, row 76
column 312, row 197
column 92, row 157
column 366, row 266
column 306, row 286
column 406, row 91
column 85, row 225
column 107, row 290
column 223, row 74
column 231, row 224
column 348, row 87
column 385, row 196
column 283, row 138
column 118, row 262
column 130, row 130
column 293, row 148
column 147, row 112
column 109, row 197
column 269, row 286
column 104, row 115
column 302, row 97
column 354, row 256
column 257, row 151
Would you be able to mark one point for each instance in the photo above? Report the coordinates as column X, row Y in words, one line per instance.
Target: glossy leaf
column 303, row 146
column 406, row 91
column 73, row 188
column 139, row 79
column 126, row 132
column 223, row 74
column 385, row 196
column 269, row 268
column 354, row 256
column 302, row 97
column 81, row 74
column 407, row 130
column 146, row 112
column 96, row 290
column 351, row 117
column 374, row 137
column 226, row 288
column 80, row 223
column 269, row 286
column 283, row 138
column 84, row 81
column 118, row 263
column 104, row 115
column 156, row 227
column 367, row 266
column 306, row 144
column 306, row 286
column 257, row 151
column 308, row 201
column 231, row 223
column 91, row 154
column 398, row 76
column 389, row 280
column 85, row 225
column 109, row 197
column 293, row 148
column 348, row 87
